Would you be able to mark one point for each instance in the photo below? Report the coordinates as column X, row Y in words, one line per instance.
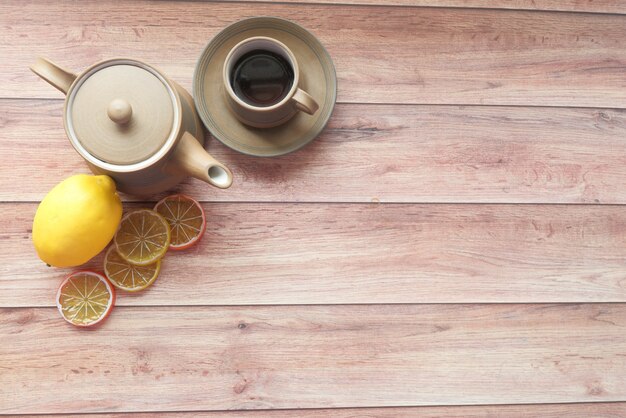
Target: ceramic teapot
column 129, row 121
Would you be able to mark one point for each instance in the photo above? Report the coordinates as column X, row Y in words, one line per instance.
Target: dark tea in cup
column 261, row 78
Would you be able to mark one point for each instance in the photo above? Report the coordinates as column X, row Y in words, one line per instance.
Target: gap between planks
column 522, row 106
column 548, row 410
column 610, row 7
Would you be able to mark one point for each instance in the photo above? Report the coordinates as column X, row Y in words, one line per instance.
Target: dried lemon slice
column 143, row 237
column 85, row 298
column 186, row 218
column 127, row 276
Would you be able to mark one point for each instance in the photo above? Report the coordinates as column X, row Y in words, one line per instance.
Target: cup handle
column 305, row 102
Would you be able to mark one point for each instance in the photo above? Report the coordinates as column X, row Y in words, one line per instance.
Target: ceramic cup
column 275, row 114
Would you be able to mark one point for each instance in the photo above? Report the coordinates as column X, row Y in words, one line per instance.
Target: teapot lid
column 122, row 112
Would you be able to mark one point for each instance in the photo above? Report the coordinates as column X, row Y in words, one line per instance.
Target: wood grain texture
column 382, row 55
column 583, row 410
column 335, row 254
column 386, row 153
column 588, row 6
column 360, row 308
column 200, row 358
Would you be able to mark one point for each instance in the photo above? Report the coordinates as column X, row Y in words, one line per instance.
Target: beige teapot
column 127, row 120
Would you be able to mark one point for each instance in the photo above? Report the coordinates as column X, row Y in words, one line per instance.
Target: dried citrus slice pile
column 143, row 237
column 85, row 298
column 127, row 276
column 186, row 218
column 133, row 262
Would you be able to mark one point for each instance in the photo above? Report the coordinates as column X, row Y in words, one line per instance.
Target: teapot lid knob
column 119, row 111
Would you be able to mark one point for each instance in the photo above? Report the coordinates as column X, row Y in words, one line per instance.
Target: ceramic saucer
column 317, row 77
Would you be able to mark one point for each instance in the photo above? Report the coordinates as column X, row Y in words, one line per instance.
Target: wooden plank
column 384, row 54
column 387, row 153
column 200, row 358
column 588, row 6
column 584, row 410
column 335, row 254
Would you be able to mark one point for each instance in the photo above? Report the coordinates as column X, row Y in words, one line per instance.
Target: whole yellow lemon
column 76, row 220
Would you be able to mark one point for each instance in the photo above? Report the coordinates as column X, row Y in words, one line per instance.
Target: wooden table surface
column 453, row 244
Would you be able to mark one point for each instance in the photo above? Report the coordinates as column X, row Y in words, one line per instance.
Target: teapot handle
column 58, row 77
column 193, row 160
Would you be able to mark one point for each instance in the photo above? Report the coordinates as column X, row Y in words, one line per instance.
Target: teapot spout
column 58, row 77
column 192, row 159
